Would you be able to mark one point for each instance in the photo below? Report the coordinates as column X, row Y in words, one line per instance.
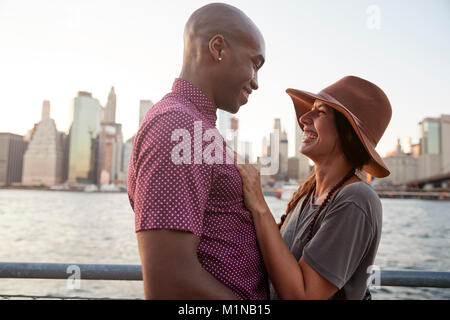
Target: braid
column 304, row 189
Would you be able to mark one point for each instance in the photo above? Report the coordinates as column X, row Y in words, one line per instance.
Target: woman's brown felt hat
column 366, row 107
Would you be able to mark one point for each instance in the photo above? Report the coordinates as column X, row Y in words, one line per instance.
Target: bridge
column 435, row 180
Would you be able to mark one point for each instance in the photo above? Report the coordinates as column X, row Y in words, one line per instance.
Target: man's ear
column 216, row 47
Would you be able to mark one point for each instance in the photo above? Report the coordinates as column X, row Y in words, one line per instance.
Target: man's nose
column 254, row 82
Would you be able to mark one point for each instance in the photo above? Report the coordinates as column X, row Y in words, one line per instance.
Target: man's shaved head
column 218, row 18
column 221, row 43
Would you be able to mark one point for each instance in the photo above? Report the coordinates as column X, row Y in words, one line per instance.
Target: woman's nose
column 305, row 118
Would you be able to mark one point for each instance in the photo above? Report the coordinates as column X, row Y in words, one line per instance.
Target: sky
column 50, row 50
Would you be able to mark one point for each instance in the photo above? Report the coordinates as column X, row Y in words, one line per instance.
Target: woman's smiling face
column 320, row 135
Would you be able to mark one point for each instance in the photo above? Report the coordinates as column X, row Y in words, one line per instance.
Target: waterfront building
column 284, row 157
column 434, row 142
column 228, row 127
column 445, row 142
column 110, row 153
column 144, row 107
column 403, row 166
column 245, row 150
column 415, row 150
column 232, row 138
column 293, row 166
column 127, row 147
column 126, row 154
column 298, row 137
column 224, row 123
column 265, row 147
column 43, row 159
column 12, row 149
column 84, row 140
column 298, row 168
column 279, row 144
column 274, row 144
column 29, row 135
column 65, row 138
column 303, row 163
column 111, row 144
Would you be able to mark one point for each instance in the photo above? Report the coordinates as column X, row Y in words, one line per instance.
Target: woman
column 332, row 226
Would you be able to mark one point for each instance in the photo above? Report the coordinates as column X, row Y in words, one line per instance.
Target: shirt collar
column 197, row 97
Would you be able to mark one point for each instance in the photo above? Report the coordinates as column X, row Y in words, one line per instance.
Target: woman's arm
column 291, row 279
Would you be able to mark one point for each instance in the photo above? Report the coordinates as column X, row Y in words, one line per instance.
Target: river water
column 92, row 228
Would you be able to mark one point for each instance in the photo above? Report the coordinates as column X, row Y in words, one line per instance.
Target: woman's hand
column 251, row 180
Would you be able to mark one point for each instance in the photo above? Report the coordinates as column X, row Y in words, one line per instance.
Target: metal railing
column 127, row 272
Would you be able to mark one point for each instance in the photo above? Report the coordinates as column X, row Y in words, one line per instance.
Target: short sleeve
column 340, row 244
column 171, row 190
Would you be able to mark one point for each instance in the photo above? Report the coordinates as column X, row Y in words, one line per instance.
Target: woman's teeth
column 309, row 136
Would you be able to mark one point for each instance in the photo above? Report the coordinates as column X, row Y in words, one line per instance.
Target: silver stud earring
column 220, row 58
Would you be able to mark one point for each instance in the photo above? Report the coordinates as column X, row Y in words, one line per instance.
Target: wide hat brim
column 304, row 101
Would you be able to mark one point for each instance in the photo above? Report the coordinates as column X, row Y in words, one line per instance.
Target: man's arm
column 171, row 270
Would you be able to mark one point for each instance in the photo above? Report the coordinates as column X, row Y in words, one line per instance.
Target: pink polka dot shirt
column 198, row 195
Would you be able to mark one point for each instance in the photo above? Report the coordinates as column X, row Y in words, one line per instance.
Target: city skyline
column 405, row 141
column 53, row 50
column 93, row 151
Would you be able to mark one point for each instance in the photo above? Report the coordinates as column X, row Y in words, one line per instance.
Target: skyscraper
column 84, row 140
column 110, row 152
column 298, row 137
column 445, row 140
column 224, row 123
column 126, row 155
column 265, row 147
column 144, row 106
column 109, row 112
column 45, row 110
column 303, row 163
column 111, row 140
column 12, row 149
column 232, row 138
column 43, row 159
column 429, row 161
column 434, row 142
column 127, row 147
column 282, row 146
column 284, row 154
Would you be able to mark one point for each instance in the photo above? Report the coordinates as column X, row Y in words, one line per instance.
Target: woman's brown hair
column 352, row 148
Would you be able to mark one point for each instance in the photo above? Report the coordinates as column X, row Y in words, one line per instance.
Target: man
column 196, row 238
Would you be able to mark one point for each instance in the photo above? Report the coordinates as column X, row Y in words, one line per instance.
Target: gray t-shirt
column 345, row 238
